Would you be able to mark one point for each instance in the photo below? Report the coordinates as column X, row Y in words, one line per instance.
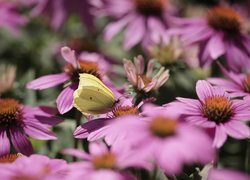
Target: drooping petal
column 216, row 46
column 65, row 99
column 20, row 141
column 220, row 136
column 48, row 81
column 4, row 142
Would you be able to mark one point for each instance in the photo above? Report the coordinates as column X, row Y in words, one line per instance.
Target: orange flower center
column 9, row 158
column 224, row 19
column 84, row 67
column 163, row 127
column 218, row 109
column 10, row 112
column 125, row 110
column 247, row 83
column 150, row 7
column 104, row 161
column 146, row 80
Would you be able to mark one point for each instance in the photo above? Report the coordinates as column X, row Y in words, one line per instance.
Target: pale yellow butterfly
column 93, row 96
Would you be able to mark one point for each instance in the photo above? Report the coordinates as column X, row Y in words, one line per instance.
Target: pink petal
column 5, row 143
column 220, row 136
column 69, row 56
column 97, row 148
column 65, row 99
column 20, row 141
column 216, row 46
column 204, row 90
column 38, row 131
column 237, row 129
column 113, row 28
column 134, row 33
column 85, row 129
column 48, row 81
column 77, row 153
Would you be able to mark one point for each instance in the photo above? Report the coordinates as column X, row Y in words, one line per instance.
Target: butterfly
column 92, row 96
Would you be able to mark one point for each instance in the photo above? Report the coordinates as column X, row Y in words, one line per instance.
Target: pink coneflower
column 10, row 18
column 104, row 163
column 141, row 80
column 34, row 167
column 164, row 139
column 96, row 129
column 70, row 74
column 220, row 33
column 59, row 11
column 237, row 85
column 216, row 111
column 144, row 20
column 17, row 122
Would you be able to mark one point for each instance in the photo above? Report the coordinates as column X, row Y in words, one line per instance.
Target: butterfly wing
column 92, row 96
column 92, row 81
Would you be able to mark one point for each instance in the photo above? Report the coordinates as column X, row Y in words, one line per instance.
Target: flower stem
column 247, row 161
column 78, row 116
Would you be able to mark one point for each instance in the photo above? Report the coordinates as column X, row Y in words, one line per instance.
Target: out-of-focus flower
column 96, row 129
column 7, row 77
column 220, row 33
column 216, row 111
column 226, row 174
column 34, row 167
column 167, row 53
column 144, row 81
column 10, row 17
column 104, row 163
column 9, row 158
column 17, row 122
column 144, row 20
column 179, row 142
column 59, row 11
column 238, row 85
column 86, row 63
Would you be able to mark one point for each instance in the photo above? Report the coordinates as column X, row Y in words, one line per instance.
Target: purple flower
column 144, row 81
column 58, row 11
column 86, row 63
column 34, row 167
column 104, row 163
column 144, row 20
column 179, row 142
column 10, row 17
column 220, row 33
column 17, row 122
column 237, row 84
column 226, row 174
column 216, row 111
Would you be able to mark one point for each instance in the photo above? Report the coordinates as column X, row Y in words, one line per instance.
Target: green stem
column 78, row 116
column 247, row 161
